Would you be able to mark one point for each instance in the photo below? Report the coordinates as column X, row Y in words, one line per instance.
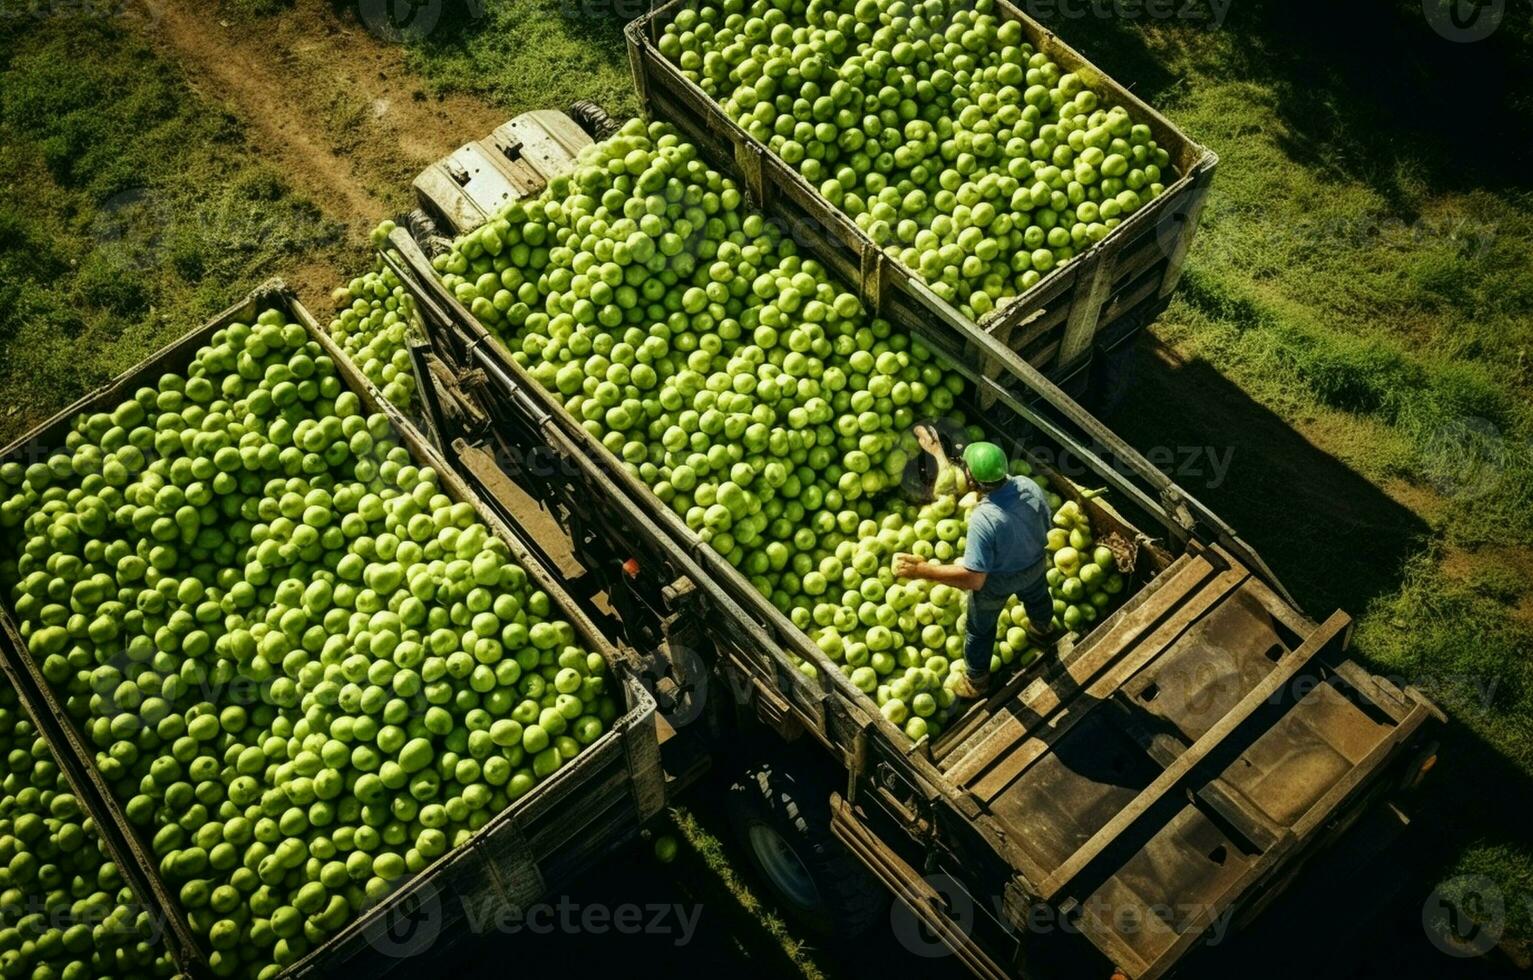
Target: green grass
column 711, row 855
column 131, row 211
column 1361, row 273
column 532, row 54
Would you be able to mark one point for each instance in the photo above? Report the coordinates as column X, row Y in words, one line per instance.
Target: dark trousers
column 985, row 610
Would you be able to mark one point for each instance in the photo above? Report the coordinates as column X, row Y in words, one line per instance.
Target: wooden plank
column 1095, row 281
column 1017, row 762
column 872, row 277
column 1277, row 606
column 1285, row 670
column 1240, row 813
column 1084, row 661
column 1392, row 703
column 911, row 888
column 1217, row 795
column 1131, row 264
column 1202, row 181
column 992, row 367
column 1321, row 811
column 1042, row 353
column 1313, row 821
column 1091, row 658
column 1127, row 301
column 638, row 42
column 748, row 162
column 1037, row 323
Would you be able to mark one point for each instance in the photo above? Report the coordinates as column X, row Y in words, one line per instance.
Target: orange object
column 631, row 568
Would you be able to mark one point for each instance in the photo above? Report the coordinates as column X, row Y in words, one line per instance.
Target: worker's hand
column 926, row 438
column 907, row 566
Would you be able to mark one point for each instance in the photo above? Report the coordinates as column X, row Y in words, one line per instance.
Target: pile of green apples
column 374, row 315
column 305, row 671
column 968, row 155
column 64, row 909
column 759, row 400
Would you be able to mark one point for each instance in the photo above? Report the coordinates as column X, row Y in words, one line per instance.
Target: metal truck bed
column 518, row 159
column 562, row 827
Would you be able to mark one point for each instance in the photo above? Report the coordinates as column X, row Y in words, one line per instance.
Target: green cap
column 986, row 462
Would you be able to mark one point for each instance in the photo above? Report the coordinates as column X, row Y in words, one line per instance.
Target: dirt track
column 329, row 105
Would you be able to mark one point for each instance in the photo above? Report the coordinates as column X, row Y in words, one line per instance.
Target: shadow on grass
column 1329, row 534
column 1369, row 90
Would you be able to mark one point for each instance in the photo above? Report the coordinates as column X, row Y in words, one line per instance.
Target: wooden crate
column 564, row 826
column 1104, row 294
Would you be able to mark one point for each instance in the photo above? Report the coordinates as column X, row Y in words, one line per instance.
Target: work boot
column 967, row 688
column 1043, row 639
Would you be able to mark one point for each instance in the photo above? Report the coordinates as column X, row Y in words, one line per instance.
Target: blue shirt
column 1008, row 531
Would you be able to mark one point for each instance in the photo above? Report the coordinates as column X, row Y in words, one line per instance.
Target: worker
column 1004, row 557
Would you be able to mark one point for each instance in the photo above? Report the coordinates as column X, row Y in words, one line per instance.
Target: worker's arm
column 909, row 566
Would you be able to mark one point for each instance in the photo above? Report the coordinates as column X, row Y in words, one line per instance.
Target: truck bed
column 1165, row 767
column 564, row 826
column 1178, row 765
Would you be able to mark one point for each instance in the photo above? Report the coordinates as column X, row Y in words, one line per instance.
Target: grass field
column 130, row 210
column 1353, row 327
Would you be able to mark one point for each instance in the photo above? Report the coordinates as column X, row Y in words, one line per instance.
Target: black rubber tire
column 796, row 806
column 595, row 120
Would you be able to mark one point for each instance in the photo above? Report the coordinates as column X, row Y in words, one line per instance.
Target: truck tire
column 591, row 117
column 782, row 820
